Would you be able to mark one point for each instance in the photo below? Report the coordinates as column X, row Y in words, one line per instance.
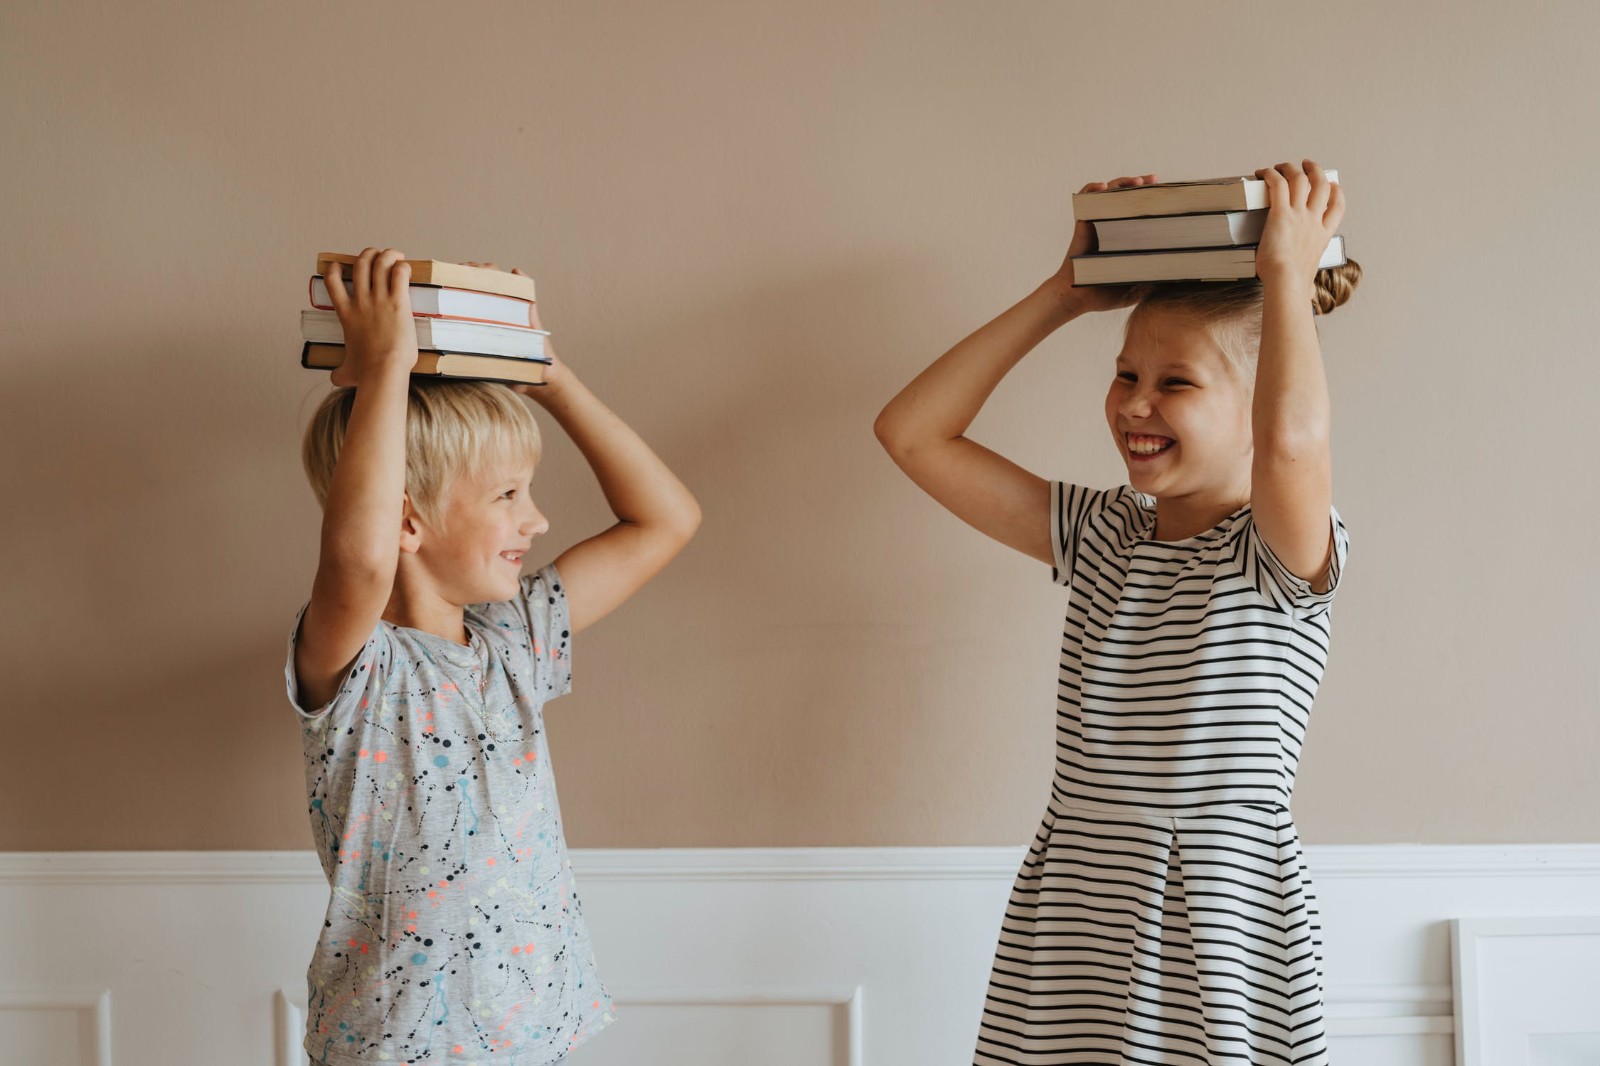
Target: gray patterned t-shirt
column 453, row 931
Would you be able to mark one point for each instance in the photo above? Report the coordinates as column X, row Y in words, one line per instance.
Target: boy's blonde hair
column 452, row 428
column 1232, row 310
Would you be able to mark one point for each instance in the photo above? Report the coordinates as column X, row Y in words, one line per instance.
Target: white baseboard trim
column 744, row 944
column 1327, row 862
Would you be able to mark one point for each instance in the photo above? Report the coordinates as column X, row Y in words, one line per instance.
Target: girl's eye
column 1176, row 382
column 1128, row 376
column 508, row 494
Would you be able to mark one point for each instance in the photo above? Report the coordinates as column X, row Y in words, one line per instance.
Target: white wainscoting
column 727, row 957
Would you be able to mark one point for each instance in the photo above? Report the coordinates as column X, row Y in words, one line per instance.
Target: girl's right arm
column 361, row 520
column 923, row 428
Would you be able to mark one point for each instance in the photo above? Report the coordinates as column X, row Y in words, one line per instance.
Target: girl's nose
column 535, row 523
column 1135, row 404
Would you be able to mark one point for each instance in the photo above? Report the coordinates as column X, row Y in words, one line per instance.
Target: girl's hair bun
column 1334, row 286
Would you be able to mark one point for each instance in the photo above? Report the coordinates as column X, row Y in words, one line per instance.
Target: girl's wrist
column 1064, row 302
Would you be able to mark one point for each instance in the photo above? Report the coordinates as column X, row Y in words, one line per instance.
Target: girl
column 1163, row 914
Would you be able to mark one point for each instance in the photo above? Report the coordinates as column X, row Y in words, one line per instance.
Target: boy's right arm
column 923, row 428
column 361, row 520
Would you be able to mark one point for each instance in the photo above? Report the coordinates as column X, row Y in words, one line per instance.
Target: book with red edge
column 448, row 275
column 440, row 334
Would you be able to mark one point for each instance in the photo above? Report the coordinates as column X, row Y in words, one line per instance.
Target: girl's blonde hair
column 1232, row 310
column 452, row 428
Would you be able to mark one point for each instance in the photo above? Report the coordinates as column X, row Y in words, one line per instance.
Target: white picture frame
column 1527, row 991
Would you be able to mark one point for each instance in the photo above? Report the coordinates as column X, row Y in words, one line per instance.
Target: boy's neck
column 417, row 608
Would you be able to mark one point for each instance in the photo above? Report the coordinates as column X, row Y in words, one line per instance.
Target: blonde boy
column 420, row 668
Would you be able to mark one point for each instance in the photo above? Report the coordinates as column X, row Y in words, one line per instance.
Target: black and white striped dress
column 1163, row 914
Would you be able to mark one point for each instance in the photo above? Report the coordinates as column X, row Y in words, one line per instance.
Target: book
column 1243, row 193
column 1216, row 230
column 449, row 275
column 437, row 301
column 444, row 364
column 441, row 334
column 1200, row 264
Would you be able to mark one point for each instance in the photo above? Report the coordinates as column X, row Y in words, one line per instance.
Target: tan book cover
column 448, row 275
column 510, row 371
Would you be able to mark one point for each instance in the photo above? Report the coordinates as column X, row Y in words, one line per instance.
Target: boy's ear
column 410, row 527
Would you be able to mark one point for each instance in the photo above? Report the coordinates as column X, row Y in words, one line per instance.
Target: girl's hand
column 375, row 313
column 1304, row 211
column 1095, row 297
column 556, row 374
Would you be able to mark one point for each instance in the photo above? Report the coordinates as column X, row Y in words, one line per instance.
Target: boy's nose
column 535, row 524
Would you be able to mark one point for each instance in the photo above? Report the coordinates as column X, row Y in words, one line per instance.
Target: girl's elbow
column 1293, row 444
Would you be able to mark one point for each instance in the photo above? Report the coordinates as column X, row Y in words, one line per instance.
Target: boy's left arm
column 656, row 515
column 1291, row 489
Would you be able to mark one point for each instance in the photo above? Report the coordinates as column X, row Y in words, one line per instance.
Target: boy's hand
column 555, row 375
column 375, row 314
column 1304, row 212
column 1095, row 297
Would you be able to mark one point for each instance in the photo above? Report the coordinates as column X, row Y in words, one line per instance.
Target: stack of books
column 1178, row 231
column 471, row 322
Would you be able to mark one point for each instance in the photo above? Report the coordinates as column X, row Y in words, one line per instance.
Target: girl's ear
column 410, row 527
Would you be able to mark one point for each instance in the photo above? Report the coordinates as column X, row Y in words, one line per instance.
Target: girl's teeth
column 1147, row 445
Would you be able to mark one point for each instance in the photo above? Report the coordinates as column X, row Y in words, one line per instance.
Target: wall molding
column 289, row 1012
column 1327, row 862
column 95, row 1002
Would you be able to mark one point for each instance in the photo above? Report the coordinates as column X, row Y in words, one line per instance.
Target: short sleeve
column 367, row 671
column 1277, row 584
column 545, row 598
column 1070, row 509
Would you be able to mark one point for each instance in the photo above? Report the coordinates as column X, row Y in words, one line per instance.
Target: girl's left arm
column 1291, row 488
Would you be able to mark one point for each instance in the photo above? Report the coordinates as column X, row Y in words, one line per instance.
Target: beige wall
column 750, row 224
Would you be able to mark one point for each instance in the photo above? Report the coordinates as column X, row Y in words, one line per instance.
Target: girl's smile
column 1180, row 415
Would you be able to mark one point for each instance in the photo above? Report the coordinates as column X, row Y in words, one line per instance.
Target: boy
column 419, row 669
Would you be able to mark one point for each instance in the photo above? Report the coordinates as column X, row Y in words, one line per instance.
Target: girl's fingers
column 1295, row 178
column 400, row 278
column 1335, row 210
column 1321, row 187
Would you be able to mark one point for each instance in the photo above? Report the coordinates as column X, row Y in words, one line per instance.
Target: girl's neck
column 1181, row 517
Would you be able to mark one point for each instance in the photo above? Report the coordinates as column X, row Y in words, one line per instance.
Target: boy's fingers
column 400, row 280
column 383, row 267
column 333, row 281
column 361, row 273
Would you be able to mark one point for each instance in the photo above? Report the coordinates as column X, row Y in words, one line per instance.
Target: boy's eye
column 509, row 494
column 1127, row 375
column 1176, row 382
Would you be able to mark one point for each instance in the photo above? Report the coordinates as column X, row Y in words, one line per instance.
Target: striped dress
column 1163, row 914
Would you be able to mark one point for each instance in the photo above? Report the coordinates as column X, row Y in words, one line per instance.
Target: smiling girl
column 1163, row 913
